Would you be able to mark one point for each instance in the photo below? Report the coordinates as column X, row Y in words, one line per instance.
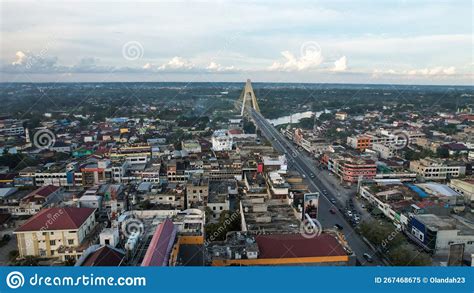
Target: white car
column 349, row 213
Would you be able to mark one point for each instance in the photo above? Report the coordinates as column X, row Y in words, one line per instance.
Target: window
column 70, row 241
column 52, row 252
column 52, row 242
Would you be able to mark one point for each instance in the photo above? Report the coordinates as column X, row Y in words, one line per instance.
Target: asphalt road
column 305, row 165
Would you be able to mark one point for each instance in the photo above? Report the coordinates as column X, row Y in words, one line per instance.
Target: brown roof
column 45, row 191
column 295, row 245
column 105, row 256
column 57, row 219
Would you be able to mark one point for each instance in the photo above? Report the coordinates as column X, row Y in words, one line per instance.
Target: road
column 305, row 166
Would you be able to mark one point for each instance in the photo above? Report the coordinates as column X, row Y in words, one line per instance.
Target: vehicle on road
column 332, row 211
column 312, row 175
column 304, row 176
column 368, row 257
column 337, row 226
column 333, row 200
column 349, row 213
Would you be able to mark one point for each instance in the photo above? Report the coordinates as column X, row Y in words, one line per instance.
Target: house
column 56, row 233
column 101, row 256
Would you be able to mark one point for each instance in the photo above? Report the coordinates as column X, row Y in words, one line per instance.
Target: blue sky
column 402, row 42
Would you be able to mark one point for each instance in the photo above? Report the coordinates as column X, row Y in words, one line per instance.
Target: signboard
column 311, row 205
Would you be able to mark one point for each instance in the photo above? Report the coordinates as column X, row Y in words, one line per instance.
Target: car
column 349, row 213
column 332, row 211
column 337, row 226
column 356, row 218
column 368, row 257
column 304, row 176
column 333, row 200
column 312, row 175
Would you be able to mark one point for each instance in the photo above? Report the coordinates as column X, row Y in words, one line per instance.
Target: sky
column 371, row 42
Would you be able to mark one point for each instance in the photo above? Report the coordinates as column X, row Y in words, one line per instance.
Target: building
column 436, row 234
column 197, row 191
column 159, row 250
column 240, row 249
column 341, row 116
column 221, row 141
column 56, row 233
column 101, row 256
column 360, row 142
column 437, row 169
column 348, row 167
column 465, row 188
column 384, row 151
column 191, row 146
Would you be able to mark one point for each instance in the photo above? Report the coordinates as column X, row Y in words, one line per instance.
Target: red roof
column 235, row 131
column 45, row 191
column 57, row 219
column 104, row 257
column 295, row 245
column 160, row 246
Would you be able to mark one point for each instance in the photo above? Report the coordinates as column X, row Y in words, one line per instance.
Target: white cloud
column 439, row 70
column 147, row 66
column 216, row 67
column 20, row 58
column 310, row 59
column 340, row 64
column 177, row 63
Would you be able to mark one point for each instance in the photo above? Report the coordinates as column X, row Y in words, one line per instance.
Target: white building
column 221, row 141
column 437, row 169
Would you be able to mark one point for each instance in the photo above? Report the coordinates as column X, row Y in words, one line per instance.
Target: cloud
column 434, row 71
column 309, row 59
column 215, row 67
column 177, row 63
column 340, row 64
column 20, row 58
column 438, row 71
column 32, row 63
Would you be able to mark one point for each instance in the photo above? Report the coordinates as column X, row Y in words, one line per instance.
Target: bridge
column 248, row 96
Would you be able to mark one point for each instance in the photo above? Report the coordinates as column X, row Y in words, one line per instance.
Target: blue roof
column 418, row 190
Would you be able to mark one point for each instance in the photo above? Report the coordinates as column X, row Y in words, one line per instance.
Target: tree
column 249, row 127
column 405, row 256
column 227, row 222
